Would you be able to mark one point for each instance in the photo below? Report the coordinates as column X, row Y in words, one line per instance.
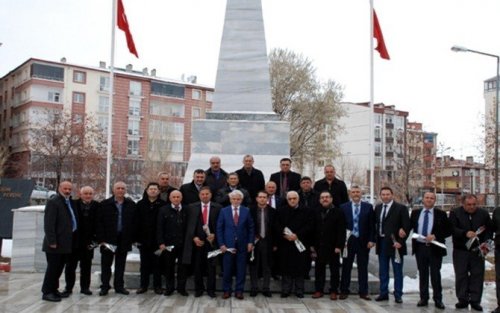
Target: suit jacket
column 366, row 221
column 330, row 231
column 190, row 193
column 309, row 200
column 107, row 223
column 227, row 232
column 87, row 216
column 293, row 181
column 253, row 182
column 171, row 226
column 214, row 183
column 269, row 220
column 441, row 228
column 337, row 189
column 58, row 225
column 194, row 227
column 397, row 218
column 147, row 220
column 463, row 222
column 222, row 196
column 278, row 201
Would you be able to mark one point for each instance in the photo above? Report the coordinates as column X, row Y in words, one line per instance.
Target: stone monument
column 242, row 120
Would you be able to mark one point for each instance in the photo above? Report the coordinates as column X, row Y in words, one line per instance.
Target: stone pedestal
column 27, row 238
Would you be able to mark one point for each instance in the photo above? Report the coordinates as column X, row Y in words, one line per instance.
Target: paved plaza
column 20, row 293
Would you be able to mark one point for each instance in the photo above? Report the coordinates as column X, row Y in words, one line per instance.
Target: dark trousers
column 171, row 259
column 288, row 282
column 320, row 274
column 55, row 266
column 85, row 259
column 203, row 266
column 497, row 273
column 355, row 248
column 107, row 257
column 429, row 262
column 383, row 263
column 469, row 275
column 231, row 261
column 261, row 263
column 150, row 264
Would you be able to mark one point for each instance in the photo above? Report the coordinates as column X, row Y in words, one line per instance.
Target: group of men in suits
column 276, row 228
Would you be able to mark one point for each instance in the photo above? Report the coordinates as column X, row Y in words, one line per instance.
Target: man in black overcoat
column 190, row 191
column 286, row 179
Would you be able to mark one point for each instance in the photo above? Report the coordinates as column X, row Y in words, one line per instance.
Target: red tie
column 205, row 214
column 235, row 216
column 270, row 202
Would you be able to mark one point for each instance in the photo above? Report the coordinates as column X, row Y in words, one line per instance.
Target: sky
column 438, row 87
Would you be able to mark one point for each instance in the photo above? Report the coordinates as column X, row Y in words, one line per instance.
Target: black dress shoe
column 211, row 294
column 65, row 293
column 198, row 293
column 52, row 297
column 239, row 296
column 476, row 306
column 168, row 292
column 267, row 294
column 423, row 303
column 86, row 292
column 439, row 305
column 398, row 300
column 284, row 295
column 253, row 293
column 299, row 295
column 141, row 291
column 103, row 292
column 183, row 292
column 122, row 291
column 382, row 298
column 158, row 291
column 365, row 297
column 461, row 305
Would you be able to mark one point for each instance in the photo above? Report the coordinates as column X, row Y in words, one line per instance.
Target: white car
column 42, row 193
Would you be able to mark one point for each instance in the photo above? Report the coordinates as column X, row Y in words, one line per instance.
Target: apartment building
column 151, row 115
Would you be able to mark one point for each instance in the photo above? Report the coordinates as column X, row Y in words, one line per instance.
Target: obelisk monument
column 242, row 120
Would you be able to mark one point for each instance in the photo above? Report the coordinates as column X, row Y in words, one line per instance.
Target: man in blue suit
column 235, row 229
column 360, row 220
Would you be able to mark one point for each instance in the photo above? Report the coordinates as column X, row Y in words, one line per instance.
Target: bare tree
column 350, row 171
column 68, row 146
column 311, row 107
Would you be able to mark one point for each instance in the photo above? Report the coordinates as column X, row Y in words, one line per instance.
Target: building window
column 54, row 96
column 164, row 89
column 209, row 96
column 103, row 104
column 378, row 119
column 196, row 94
column 47, row 72
column 166, row 109
column 79, row 97
column 133, row 147
column 133, row 127
column 104, row 83
column 102, row 121
column 378, row 133
column 79, row 77
column 134, row 108
column 135, row 88
column 196, row 113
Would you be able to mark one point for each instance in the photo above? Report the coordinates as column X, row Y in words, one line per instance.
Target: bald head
column 65, row 188
column 175, row 197
column 87, row 194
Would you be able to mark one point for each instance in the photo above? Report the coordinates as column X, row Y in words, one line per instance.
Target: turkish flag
column 123, row 25
column 377, row 33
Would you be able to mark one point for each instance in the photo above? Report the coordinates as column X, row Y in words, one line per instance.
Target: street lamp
column 497, row 87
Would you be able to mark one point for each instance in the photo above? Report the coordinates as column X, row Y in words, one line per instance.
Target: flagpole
column 371, row 114
column 110, row 103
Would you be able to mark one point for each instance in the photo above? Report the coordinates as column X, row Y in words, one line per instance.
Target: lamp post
column 497, row 87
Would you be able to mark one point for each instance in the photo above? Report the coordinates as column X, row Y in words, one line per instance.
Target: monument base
column 230, row 139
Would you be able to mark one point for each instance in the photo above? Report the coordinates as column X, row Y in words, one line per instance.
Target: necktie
column 425, row 230
column 270, row 201
column 284, row 185
column 236, row 216
column 119, row 227
column 383, row 220
column 205, row 214
column 73, row 218
column 262, row 224
column 355, row 221
column 177, row 208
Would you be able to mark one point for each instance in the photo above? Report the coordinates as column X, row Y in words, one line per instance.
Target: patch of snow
column 7, row 248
